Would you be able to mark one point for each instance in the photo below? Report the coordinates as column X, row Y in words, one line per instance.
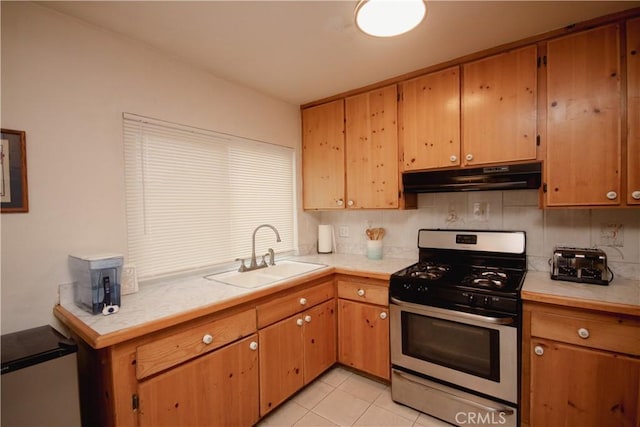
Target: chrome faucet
column 253, row 265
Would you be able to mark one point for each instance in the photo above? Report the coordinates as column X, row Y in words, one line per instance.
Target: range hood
column 507, row 177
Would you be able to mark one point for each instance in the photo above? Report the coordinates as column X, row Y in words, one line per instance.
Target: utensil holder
column 374, row 249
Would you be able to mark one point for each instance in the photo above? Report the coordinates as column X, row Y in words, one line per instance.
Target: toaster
column 584, row 265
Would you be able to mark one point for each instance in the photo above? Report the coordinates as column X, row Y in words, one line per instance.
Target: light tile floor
column 342, row 398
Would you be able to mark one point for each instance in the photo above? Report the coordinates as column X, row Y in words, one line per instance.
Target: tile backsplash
column 616, row 231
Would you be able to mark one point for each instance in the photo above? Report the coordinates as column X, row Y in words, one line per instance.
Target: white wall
column 616, row 231
column 67, row 84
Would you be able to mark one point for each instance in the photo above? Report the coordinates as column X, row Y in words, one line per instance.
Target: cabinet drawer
column 179, row 347
column 590, row 330
column 287, row 305
column 363, row 292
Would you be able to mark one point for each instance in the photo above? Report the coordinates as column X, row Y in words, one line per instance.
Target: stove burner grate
column 428, row 270
column 493, row 279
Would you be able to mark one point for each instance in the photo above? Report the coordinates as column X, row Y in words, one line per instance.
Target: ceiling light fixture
column 388, row 18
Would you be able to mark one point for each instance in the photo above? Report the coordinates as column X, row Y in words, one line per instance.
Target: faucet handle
column 243, row 267
column 263, row 263
column 272, row 257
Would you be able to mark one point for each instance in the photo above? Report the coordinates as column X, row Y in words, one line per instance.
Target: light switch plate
column 129, row 282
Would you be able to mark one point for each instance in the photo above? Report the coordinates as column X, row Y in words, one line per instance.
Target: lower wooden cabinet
column 218, row 389
column 363, row 326
column 576, row 386
column 580, row 367
column 295, row 351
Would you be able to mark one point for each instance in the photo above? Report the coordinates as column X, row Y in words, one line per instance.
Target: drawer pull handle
column 583, row 333
column 207, row 339
column 307, row 318
column 383, row 315
column 303, row 301
column 253, row 345
column 299, row 322
column 361, row 292
column 538, row 350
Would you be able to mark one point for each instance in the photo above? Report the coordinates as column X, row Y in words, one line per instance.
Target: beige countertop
column 164, row 303
column 620, row 296
column 168, row 302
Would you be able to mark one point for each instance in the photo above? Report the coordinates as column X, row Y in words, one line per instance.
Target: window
column 194, row 197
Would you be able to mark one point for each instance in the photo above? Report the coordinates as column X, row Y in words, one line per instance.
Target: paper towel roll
column 325, row 239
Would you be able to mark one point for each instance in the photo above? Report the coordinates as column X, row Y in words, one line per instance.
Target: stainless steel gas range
column 456, row 327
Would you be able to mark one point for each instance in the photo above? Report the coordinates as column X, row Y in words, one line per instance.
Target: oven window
column 467, row 348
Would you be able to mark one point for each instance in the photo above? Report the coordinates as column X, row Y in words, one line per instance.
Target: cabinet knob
column 307, row 318
column 361, row 292
column 583, row 333
column 299, row 322
column 612, row 195
column 253, row 345
column 383, row 315
column 636, row 195
column 453, row 158
column 303, row 301
column 350, row 203
column 339, row 202
column 207, row 339
column 469, row 157
column 538, row 350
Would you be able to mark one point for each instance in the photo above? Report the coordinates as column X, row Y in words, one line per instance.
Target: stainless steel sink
column 283, row 270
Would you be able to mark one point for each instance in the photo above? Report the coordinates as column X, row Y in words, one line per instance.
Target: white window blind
column 194, row 197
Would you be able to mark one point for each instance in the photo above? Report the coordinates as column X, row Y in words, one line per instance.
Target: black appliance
column 456, row 326
column 505, row 177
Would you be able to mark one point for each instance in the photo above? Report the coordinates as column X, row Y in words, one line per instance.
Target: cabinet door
column 633, row 112
column 281, row 362
column 319, row 339
column 323, row 156
column 575, row 386
column 429, row 117
column 499, row 108
column 372, row 149
column 583, row 119
column 220, row 388
column 363, row 337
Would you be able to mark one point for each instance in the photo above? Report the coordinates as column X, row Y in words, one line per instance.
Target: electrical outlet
column 481, row 211
column 129, row 282
column 343, row 231
column 612, row 235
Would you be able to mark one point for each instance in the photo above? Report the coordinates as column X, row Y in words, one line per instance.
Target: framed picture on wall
column 13, row 177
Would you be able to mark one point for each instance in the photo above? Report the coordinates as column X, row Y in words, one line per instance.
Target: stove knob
column 487, row 301
column 472, row 299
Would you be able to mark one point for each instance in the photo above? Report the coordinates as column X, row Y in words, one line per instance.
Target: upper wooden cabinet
column 583, row 98
column 323, row 156
column 350, row 154
column 372, row 149
column 633, row 112
column 429, row 120
column 499, row 101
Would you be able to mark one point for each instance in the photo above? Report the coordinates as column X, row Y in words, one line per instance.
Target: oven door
column 476, row 352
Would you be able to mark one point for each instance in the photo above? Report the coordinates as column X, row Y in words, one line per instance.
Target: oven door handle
column 506, row 411
column 454, row 313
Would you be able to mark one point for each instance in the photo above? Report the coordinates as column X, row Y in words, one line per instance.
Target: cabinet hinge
column 544, row 187
column 542, row 60
column 538, row 140
column 135, row 402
